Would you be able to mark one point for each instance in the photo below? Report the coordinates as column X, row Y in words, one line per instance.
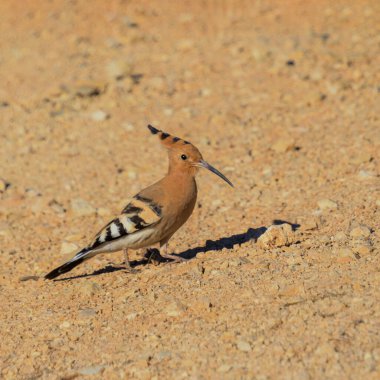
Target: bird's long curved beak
column 206, row 165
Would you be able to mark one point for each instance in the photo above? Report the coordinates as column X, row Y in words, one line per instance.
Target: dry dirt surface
column 283, row 98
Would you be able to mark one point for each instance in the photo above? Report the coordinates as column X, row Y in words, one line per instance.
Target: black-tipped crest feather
column 153, row 130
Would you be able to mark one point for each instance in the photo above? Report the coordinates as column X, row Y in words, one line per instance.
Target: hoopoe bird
column 155, row 213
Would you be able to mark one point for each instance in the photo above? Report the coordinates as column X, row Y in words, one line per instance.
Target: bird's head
column 184, row 156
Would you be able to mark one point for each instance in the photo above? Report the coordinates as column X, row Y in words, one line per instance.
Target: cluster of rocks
column 277, row 236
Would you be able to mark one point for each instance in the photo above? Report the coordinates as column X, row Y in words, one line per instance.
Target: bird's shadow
column 252, row 234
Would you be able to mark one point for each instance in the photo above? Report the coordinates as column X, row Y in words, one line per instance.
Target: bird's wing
column 139, row 214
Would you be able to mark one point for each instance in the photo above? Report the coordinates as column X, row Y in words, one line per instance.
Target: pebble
column 118, row 69
column 81, row 208
column 4, row 229
column 327, row 204
column 378, row 202
column 131, row 316
column 340, row 236
column 156, row 83
column 224, row 368
column 243, row 346
column 128, row 127
column 174, row 309
column 3, row 185
column 65, row 325
column 56, row 207
column 28, row 278
column 345, row 252
column 89, row 89
column 308, row 225
column 132, row 174
column 89, row 288
column 99, row 115
column 185, row 45
column 361, row 157
column 366, row 175
column 67, row 248
column 102, row 211
column 32, row 193
column 283, row 145
column 363, row 250
column 360, row 232
column 87, row 312
column 277, row 236
column 93, row 370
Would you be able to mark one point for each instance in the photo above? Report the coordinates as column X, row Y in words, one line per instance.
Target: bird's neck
column 185, row 173
column 181, row 177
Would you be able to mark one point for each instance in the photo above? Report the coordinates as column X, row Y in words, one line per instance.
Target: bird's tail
column 81, row 256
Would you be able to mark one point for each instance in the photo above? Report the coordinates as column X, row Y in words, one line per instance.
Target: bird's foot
column 153, row 256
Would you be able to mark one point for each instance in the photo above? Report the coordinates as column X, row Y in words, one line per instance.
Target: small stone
column 243, row 346
column 99, row 115
column 345, row 252
column 168, row 111
column 361, row 157
column 128, row 127
column 89, row 288
column 377, row 202
column 366, row 175
column 4, row 229
column 132, row 174
column 224, row 368
column 4, row 185
column 87, row 312
column 277, row 236
column 102, row 211
column 56, row 207
column 308, row 225
column 156, row 83
column 32, row 193
column 340, row 236
column 363, row 250
column 38, row 206
column 81, row 208
column 67, row 248
column 65, row 325
column 28, row 278
column 93, row 370
column 205, row 92
column 283, row 145
column 89, row 89
column 119, row 69
column 327, row 204
column 185, row 45
column 360, row 232
column 131, row 316
column 174, row 309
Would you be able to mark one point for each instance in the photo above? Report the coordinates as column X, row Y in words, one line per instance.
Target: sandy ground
column 281, row 96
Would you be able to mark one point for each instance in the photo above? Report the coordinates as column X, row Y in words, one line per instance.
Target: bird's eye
column 184, row 157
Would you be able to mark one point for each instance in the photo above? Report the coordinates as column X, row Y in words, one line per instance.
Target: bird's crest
column 166, row 139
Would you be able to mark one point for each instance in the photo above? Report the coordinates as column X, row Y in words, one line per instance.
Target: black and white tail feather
column 122, row 232
column 71, row 264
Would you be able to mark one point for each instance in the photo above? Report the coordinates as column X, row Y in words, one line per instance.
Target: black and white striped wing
column 139, row 214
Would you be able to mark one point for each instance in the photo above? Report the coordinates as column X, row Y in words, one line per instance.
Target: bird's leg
column 166, row 255
column 127, row 263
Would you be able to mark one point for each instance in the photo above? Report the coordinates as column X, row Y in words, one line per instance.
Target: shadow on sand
column 211, row 245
